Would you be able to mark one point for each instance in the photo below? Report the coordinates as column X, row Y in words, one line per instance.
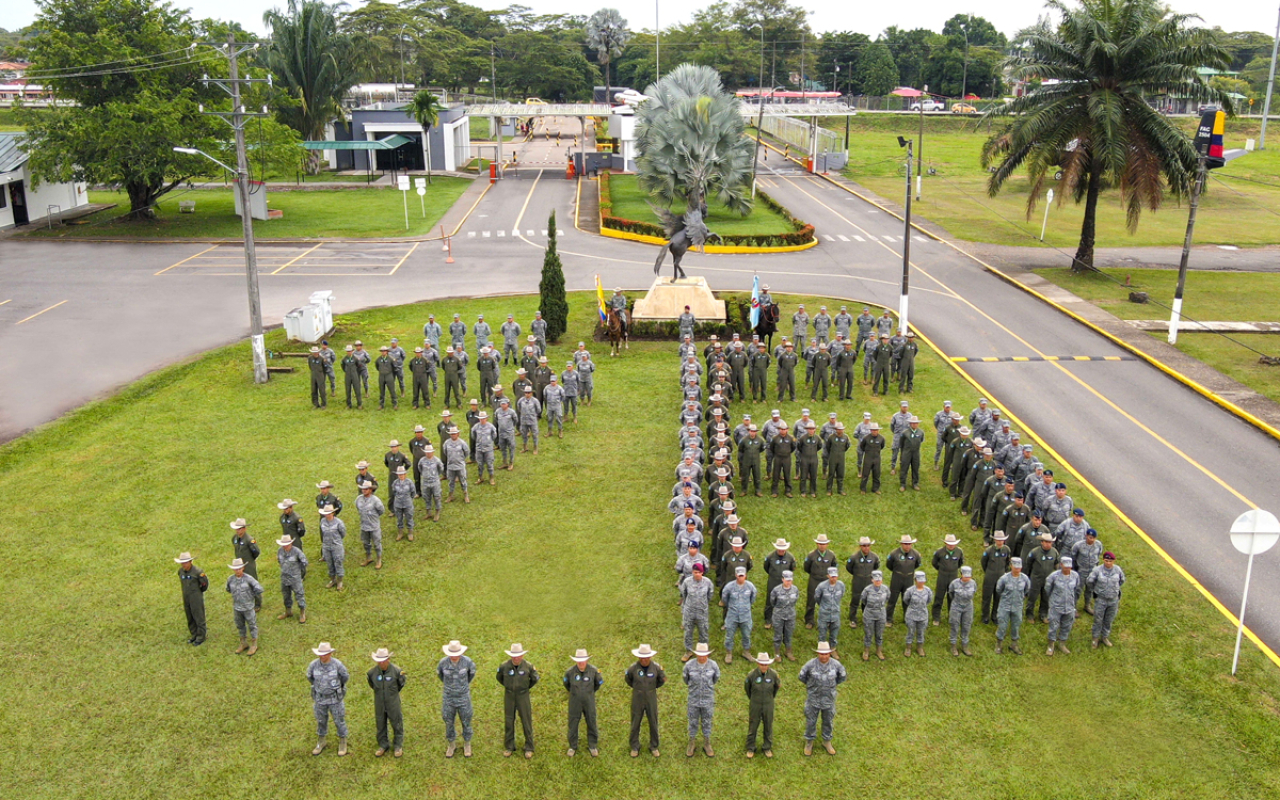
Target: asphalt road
column 1175, row 463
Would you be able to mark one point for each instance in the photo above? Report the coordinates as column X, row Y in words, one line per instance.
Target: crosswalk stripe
column 544, row 233
column 485, row 234
column 843, row 238
column 501, row 234
column 859, row 238
column 471, row 234
column 828, row 237
column 530, row 233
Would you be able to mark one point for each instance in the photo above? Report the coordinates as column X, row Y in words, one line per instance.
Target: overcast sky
column 826, row 15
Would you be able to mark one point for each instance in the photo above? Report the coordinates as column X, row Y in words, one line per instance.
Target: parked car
column 929, row 105
column 963, row 108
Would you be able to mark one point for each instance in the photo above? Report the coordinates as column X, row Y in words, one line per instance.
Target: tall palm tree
column 1089, row 116
column 607, row 34
column 313, row 63
column 690, row 136
column 425, row 108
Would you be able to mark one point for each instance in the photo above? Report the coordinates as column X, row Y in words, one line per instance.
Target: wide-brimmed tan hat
column 446, row 413
column 737, row 542
column 1000, row 536
column 1046, row 537
column 701, row 649
column 328, row 509
column 951, row 539
column 237, row 564
column 824, row 647
column 781, row 544
column 867, row 540
column 454, row 648
column 516, row 650
column 238, row 523
column 286, row 503
column 763, row 658
column 323, row 650
column 324, row 485
column 394, row 443
column 644, row 651
column 381, row 654
column 283, row 540
column 419, row 429
column 581, row 655
column 400, row 470
column 822, row 539
column 362, row 465
column 183, row 558
column 906, row 539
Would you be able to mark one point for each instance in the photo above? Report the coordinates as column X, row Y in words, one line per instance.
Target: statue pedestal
column 667, row 298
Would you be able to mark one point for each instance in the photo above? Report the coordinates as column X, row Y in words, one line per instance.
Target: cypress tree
column 555, row 306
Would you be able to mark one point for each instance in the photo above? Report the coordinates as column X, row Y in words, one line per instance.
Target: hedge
column 737, row 309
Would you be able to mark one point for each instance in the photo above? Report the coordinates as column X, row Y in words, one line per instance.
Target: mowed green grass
column 629, row 202
column 1209, row 296
column 353, row 213
column 102, row 697
column 1234, row 209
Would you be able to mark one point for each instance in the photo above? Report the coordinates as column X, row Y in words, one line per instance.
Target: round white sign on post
column 1050, row 196
column 422, row 190
column 1255, row 532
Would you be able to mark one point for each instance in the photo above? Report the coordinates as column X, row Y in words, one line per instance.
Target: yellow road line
column 528, row 197
column 2, row 302
column 294, row 260
column 38, row 313
column 467, row 215
column 402, row 260
column 1022, row 425
column 188, row 258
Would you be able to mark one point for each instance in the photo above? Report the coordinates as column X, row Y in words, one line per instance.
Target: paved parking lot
column 325, row 259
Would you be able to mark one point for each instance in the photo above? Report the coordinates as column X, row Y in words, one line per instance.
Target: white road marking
column 842, row 238
column 828, row 237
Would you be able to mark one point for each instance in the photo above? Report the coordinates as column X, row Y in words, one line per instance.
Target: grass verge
column 573, row 549
column 1209, row 296
column 353, row 213
column 1236, row 207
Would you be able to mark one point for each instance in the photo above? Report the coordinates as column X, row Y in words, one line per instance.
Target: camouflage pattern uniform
column 246, row 599
column 293, row 568
column 875, row 605
column 432, row 470
column 1105, row 585
column 328, row 688
column 402, row 493
column 738, row 600
column 701, row 680
column 1013, row 591
column 486, row 436
column 829, row 597
column 1062, row 589
column 821, row 681
column 455, row 463
column 332, row 551
column 784, row 601
column 370, row 509
column 695, row 609
column 917, row 600
column 455, row 701
column 960, row 599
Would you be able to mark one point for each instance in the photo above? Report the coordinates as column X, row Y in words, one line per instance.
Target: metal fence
column 799, row 134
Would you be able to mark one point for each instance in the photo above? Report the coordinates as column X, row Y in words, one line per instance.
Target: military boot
column 907, row 651
column 964, row 648
column 1049, row 652
column 466, row 749
column 1095, row 644
column 692, row 748
column 466, row 497
column 253, row 648
column 342, row 745
column 999, row 646
column 1063, row 647
column 1106, row 640
column 330, row 584
column 880, row 652
column 320, row 745
column 244, row 645
column 808, row 748
column 288, row 612
column 954, row 651
column 866, row 654
column 706, row 747
column 302, row 616
column 920, row 650
column 339, row 587
column 1014, row 647
column 449, row 750
column 790, row 655
column 378, row 563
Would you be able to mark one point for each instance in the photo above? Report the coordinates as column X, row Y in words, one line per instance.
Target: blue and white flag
column 755, row 301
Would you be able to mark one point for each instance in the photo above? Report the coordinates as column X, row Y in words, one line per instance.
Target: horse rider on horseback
column 619, row 304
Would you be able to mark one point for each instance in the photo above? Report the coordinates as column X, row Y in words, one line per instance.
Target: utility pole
column 236, row 119
column 493, row 80
column 964, row 80
column 402, row 30
column 1271, row 82
column 802, row 44
column 657, row 43
column 906, row 246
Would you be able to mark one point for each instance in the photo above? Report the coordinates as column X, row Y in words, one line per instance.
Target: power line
column 123, row 70
column 119, row 60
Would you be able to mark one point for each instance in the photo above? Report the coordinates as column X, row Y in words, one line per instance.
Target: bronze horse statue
column 683, row 232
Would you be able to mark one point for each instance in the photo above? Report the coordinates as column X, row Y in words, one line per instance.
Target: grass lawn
column 311, row 214
column 1232, row 210
column 573, row 549
column 629, row 202
column 1218, row 296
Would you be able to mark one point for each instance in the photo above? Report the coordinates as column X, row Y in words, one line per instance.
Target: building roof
column 386, row 143
column 12, row 154
column 540, row 110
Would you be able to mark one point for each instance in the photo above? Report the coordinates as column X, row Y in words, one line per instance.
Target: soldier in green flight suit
column 749, row 450
column 883, row 363
column 776, row 563
column 420, row 369
column 869, row 450
column 351, row 377
column 386, row 680
column 245, row 547
column 833, row 454
column 645, row 679
column 995, row 563
column 517, row 677
column 194, row 584
column 761, row 687
column 780, row 449
column 386, row 378
column 582, row 681
column 821, row 372
column 319, row 378
column 290, row 523
column 453, row 369
column 909, row 444
column 808, row 449
column 787, row 372
column 947, row 561
column 759, row 374
column 816, row 565
column 907, row 365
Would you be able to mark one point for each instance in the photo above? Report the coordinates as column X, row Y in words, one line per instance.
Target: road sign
column 420, row 184
column 1254, row 532
column 402, row 183
column 422, row 190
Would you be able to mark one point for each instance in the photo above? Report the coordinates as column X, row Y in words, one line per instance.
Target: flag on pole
column 604, row 317
column 755, row 301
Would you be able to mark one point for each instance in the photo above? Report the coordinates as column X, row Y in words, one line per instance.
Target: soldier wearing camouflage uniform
column 456, row 672
column 504, row 419
column 486, row 439
column 332, row 551
column 293, row 569
column 572, row 388
column 995, row 563
column 1086, row 555
column 553, row 404
column 820, row 676
column 917, row 600
column 830, row 599
column 510, row 331
column 246, row 602
column 1105, row 583
column 402, row 493
column 1062, row 588
column 539, row 330
column 775, row 564
column 696, row 592
column 432, row 470
column 874, row 601
column 455, row 464
column 370, row 509
column 528, row 408
column 960, row 596
column 738, row 597
column 328, row 678
column 701, row 676
column 1013, row 589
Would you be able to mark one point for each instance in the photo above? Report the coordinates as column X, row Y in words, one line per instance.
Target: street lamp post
column 759, row 129
column 1271, row 82
column 906, row 245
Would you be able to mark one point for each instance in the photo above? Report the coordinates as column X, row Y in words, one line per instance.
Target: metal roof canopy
column 12, row 153
column 386, row 143
column 798, row 110
column 540, row 110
